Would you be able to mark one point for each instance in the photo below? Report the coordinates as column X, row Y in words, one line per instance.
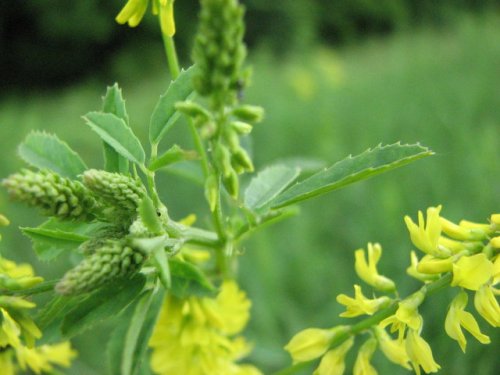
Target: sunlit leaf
column 350, row 170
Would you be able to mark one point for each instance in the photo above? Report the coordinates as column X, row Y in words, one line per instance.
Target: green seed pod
column 193, row 110
column 113, row 260
column 115, row 189
column 222, row 158
column 241, row 158
column 232, row 184
column 55, row 195
column 219, row 51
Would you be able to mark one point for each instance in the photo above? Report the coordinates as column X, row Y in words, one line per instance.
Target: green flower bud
column 113, row 260
column 219, row 51
column 55, row 195
column 241, row 158
column 241, row 127
column 232, row 184
column 212, row 191
column 250, row 113
column 193, row 110
column 115, row 189
column 222, row 158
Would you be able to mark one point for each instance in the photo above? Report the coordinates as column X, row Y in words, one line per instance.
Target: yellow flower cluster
column 199, row 336
column 464, row 255
column 133, row 12
column 18, row 332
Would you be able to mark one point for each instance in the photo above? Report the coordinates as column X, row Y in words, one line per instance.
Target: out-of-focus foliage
column 51, row 42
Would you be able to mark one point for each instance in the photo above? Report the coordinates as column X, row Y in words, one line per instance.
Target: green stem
column 172, row 60
column 45, row 286
column 371, row 321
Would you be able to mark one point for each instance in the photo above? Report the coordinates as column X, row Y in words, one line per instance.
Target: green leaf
column 115, row 132
column 46, row 151
column 268, row 184
column 350, row 170
column 54, row 237
column 149, row 216
column 188, row 280
column 114, row 103
column 128, row 357
column 172, row 155
column 103, row 304
column 161, row 263
column 165, row 114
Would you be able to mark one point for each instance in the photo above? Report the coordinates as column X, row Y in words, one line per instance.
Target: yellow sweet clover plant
column 464, row 256
column 171, row 287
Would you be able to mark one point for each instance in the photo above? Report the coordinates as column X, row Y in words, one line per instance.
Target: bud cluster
column 464, row 255
column 219, row 51
column 114, row 189
column 113, row 260
column 53, row 194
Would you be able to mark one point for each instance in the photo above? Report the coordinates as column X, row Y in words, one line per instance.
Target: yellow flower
column 367, row 271
column 432, row 265
column 312, row 343
column 7, row 363
column 133, row 12
column 407, row 311
column 333, row 362
column 457, row 318
column 495, row 220
column 495, row 242
column 392, row 349
column 413, row 270
column 362, row 366
column 465, row 231
column 360, row 305
column 472, row 272
column 487, row 305
column 196, row 336
column 426, row 237
column 420, row 353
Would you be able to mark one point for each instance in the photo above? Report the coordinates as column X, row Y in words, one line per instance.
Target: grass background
column 438, row 87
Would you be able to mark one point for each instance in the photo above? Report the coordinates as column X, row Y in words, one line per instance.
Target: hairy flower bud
column 55, row 195
column 115, row 189
column 113, row 260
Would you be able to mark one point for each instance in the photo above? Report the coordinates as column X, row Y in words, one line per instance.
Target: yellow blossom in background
column 426, row 236
column 394, row 350
column 367, row 270
column 18, row 332
column 362, row 366
column 360, row 305
column 457, row 318
column 420, row 353
column 333, row 362
column 197, row 336
column 133, row 12
column 472, row 272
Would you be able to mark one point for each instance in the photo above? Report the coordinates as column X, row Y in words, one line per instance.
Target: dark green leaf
column 350, row 170
column 104, row 303
column 149, row 216
column 188, row 280
column 172, row 155
column 165, row 115
column 114, row 103
column 115, row 132
column 55, row 237
column 163, row 268
column 46, row 151
column 268, row 184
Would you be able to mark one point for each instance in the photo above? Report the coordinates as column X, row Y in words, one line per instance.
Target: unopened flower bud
column 113, row 260
column 115, row 189
column 241, row 127
column 250, row 113
column 54, row 195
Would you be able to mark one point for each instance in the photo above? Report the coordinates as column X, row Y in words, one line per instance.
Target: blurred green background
column 335, row 77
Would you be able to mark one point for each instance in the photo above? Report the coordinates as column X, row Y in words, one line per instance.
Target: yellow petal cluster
column 472, row 272
column 133, row 12
column 420, row 353
column 367, row 270
column 360, row 305
column 362, row 366
column 457, row 318
column 18, row 332
column 198, row 336
column 425, row 236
